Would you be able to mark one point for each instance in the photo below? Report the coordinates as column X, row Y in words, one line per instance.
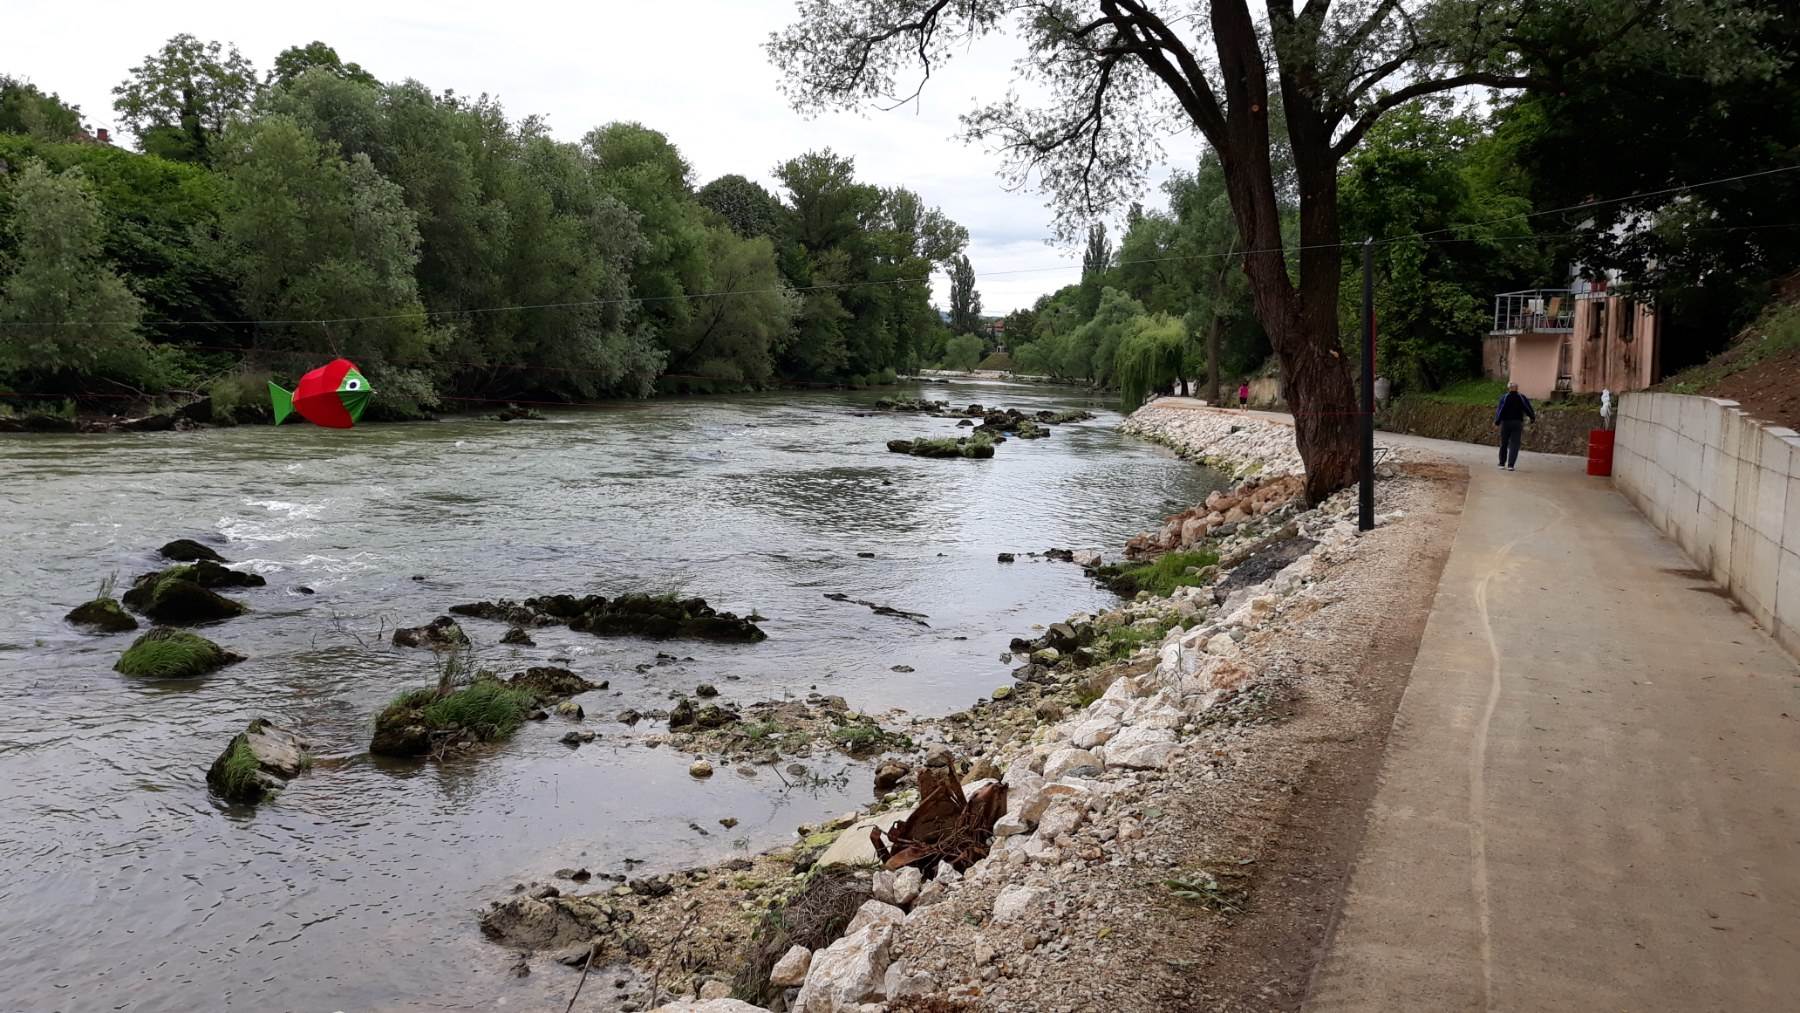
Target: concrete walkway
column 1591, row 799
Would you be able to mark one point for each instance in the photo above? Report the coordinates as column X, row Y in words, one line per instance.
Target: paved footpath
column 1591, row 798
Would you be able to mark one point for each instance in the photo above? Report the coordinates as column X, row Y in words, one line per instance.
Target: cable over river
column 125, row 884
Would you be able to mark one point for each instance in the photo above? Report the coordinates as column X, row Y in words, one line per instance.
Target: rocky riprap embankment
column 1239, row 443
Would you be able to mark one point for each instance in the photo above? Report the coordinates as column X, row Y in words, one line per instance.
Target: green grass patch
column 1776, row 332
column 1161, row 576
column 486, row 708
column 171, row 654
column 1479, row 391
column 860, row 736
column 237, row 776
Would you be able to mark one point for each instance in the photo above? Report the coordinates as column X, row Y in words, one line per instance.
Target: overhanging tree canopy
column 1117, row 72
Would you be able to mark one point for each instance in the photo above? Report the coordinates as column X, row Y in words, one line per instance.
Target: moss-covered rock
column 165, row 653
column 102, row 615
column 978, row 446
column 181, row 595
column 419, row 720
column 186, row 550
column 259, row 761
column 655, row 617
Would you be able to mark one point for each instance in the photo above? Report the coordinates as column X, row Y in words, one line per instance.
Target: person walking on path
column 1510, row 415
column 1244, row 394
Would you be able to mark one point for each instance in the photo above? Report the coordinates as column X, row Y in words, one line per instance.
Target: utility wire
column 838, row 286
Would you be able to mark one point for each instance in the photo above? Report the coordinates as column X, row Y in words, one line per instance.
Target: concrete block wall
column 1726, row 488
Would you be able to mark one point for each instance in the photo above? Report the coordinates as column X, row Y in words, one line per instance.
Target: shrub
column 1161, row 576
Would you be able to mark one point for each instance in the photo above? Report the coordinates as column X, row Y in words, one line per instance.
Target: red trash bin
column 1600, row 450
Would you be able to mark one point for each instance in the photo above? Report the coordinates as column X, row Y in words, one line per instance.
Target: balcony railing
column 1534, row 309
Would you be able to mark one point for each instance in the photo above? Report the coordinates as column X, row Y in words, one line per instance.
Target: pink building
column 1578, row 340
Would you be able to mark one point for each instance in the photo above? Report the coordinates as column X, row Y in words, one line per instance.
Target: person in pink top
column 1244, row 394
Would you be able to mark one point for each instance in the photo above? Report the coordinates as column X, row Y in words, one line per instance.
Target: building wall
column 1496, row 356
column 1614, row 345
column 1534, row 359
column 1726, row 488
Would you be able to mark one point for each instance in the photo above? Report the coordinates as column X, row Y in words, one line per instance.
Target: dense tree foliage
column 452, row 250
column 1104, row 82
column 24, row 109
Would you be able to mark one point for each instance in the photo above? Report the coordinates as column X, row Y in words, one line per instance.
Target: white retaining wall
column 1727, row 489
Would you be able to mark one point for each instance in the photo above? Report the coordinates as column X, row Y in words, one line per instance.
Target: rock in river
column 102, row 615
column 186, row 550
column 441, row 634
column 656, row 617
column 165, row 653
column 182, row 595
column 260, row 760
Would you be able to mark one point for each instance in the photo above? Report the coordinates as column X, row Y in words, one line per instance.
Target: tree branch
column 1429, row 87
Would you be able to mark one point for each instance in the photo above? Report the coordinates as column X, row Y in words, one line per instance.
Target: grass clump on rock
column 236, row 773
column 483, row 710
column 165, row 653
column 102, row 615
column 1160, row 576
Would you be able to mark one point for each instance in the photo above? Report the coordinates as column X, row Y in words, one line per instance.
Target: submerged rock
column 186, row 550
column 517, row 635
column 656, row 617
column 165, row 653
column 102, row 615
column 550, row 683
column 441, row 634
column 259, row 761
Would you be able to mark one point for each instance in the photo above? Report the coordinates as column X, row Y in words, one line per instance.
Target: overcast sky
column 694, row 70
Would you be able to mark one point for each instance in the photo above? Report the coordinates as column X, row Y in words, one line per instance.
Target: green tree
column 965, row 301
column 962, row 352
column 319, row 238
column 1109, row 79
column 62, row 310
column 644, row 171
column 1447, row 238
column 734, row 336
column 745, row 206
column 1151, row 356
column 1648, row 120
column 184, row 95
column 296, row 60
column 24, row 109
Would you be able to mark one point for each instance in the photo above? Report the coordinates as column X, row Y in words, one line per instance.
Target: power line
column 839, row 286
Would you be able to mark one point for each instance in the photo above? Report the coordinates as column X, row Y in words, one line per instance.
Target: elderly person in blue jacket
column 1510, row 415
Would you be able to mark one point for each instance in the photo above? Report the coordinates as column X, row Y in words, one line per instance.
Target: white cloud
column 694, row 70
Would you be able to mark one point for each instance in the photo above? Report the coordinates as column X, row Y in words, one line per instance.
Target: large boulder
column 165, row 653
column 849, row 972
column 178, row 597
column 102, row 615
column 259, row 761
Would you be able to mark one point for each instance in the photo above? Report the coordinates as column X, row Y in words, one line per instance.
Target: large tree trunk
column 1301, row 322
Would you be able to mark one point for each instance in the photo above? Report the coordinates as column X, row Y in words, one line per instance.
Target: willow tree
column 1113, row 74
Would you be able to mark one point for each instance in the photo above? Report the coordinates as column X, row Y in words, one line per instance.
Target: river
column 125, row 885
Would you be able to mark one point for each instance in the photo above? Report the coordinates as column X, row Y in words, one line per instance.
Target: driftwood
column 946, row 826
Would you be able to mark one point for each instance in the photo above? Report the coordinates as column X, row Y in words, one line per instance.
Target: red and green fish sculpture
column 333, row 396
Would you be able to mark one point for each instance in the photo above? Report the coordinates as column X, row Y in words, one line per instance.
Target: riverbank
column 1196, row 799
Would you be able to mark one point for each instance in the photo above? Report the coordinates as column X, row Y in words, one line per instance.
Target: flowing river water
column 125, row 885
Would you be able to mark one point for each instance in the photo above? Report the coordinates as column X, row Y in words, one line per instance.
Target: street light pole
column 1365, row 507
